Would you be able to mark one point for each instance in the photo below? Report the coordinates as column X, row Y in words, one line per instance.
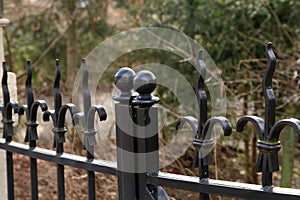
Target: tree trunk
column 288, row 159
column 72, row 59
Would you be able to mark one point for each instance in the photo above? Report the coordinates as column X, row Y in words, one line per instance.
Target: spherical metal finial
column 124, row 82
column 144, row 82
column 124, row 79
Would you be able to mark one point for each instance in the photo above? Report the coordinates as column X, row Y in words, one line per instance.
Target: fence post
column 137, row 135
column 125, row 143
column 145, row 117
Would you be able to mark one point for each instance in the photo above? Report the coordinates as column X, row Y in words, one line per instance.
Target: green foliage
column 234, row 32
column 34, row 28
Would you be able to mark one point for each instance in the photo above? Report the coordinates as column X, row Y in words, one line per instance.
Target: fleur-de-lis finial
column 203, row 134
column 268, row 130
column 57, row 102
column 7, row 108
column 87, row 117
column 203, row 141
column 58, row 114
column 31, row 109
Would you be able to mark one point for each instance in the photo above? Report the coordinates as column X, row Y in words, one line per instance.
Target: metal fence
column 139, row 176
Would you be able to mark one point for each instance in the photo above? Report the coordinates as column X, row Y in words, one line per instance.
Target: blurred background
column 233, row 32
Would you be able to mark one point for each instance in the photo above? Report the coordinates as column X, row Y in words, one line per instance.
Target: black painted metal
column 58, row 116
column 137, row 132
column 6, row 108
column 31, row 127
column 202, row 127
column 145, row 114
column 222, row 188
column 138, row 110
column 268, row 130
column 87, row 118
column 126, row 179
column 80, row 162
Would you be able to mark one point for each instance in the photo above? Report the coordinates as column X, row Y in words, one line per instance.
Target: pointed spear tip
column 200, row 54
column 57, row 67
column 83, row 63
column 3, row 65
column 269, row 45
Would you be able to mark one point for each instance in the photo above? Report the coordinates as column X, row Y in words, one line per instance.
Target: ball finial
column 144, row 82
column 124, row 79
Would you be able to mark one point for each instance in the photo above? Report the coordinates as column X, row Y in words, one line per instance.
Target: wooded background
column 233, row 32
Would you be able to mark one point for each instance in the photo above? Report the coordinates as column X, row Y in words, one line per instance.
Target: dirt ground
column 75, row 181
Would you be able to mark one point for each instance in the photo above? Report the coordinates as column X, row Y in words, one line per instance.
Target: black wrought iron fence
column 136, row 118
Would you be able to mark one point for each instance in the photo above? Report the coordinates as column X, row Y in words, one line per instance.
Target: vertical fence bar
column 60, row 174
column 54, row 114
column 32, row 143
column 9, row 155
column 8, row 131
column 125, row 141
column 58, row 116
column 203, row 140
column 10, row 175
column 31, row 110
column 87, row 118
column 90, row 141
column 202, row 163
column 87, row 131
column 60, row 169
column 268, row 131
column 60, row 131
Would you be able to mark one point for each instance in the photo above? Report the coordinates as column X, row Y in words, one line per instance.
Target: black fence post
column 203, row 141
column 125, row 142
column 145, row 117
column 7, row 109
column 268, row 130
column 137, row 135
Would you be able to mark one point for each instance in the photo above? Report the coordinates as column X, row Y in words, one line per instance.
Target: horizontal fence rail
column 137, row 141
column 71, row 160
column 217, row 187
